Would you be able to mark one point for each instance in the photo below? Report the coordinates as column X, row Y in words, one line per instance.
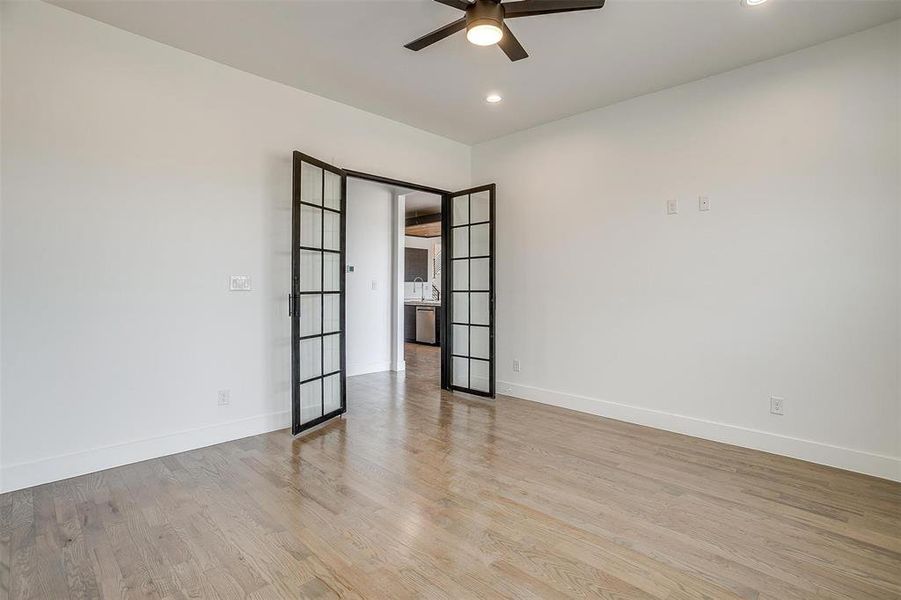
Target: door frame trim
column 400, row 183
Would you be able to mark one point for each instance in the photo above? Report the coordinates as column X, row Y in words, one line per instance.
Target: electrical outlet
column 225, row 397
column 516, row 365
column 777, row 405
column 703, row 203
column 672, row 206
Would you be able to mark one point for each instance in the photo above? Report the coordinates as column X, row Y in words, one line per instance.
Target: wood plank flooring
column 421, row 494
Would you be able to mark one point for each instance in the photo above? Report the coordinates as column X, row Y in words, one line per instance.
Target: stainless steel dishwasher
column 425, row 324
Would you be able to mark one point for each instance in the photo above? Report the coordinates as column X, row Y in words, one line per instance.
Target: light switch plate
column 672, row 206
column 239, row 283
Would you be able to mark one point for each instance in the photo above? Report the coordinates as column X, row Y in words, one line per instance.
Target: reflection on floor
column 418, row 493
column 423, row 362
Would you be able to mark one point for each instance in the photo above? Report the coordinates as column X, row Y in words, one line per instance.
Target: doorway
column 451, row 289
column 393, row 280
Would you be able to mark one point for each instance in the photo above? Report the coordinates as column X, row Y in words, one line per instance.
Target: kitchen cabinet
column 409, row 323
column 416, row 264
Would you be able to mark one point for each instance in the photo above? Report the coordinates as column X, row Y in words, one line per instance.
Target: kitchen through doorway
column 422, row 282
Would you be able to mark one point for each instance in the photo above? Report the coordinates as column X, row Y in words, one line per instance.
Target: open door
column 316, row 303
column 469, row 266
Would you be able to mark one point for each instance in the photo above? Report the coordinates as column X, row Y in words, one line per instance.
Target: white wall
column 789, row 286
column 135, row 179
column 370, row 221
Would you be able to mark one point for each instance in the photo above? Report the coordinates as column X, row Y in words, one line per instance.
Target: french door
column 316, row 302
column 469, row 235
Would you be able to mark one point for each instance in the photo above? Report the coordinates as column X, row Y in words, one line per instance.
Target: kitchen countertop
column 422, row 303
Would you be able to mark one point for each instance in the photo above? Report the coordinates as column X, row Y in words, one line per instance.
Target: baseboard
column 46, row 470
column 363, row 369
column 399, row 366
column 878, row 465
column 27, row 474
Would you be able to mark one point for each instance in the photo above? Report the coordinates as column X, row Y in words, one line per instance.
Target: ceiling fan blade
column 458, row 4
column 437, row 35
column 531, row 8
column 511, row 46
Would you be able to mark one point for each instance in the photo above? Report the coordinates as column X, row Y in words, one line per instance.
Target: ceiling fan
column 484, row 21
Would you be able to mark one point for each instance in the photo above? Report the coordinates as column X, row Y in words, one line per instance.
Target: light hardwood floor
column 420, row 494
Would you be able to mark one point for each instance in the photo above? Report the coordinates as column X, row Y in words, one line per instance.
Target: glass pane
column 479, row 375
column 310, row 271
column 310, row 226
column 332, row 190
column 478, row 245
column 480, row 205
column 332, row 281
column 310, row 400
column 461, row 242
column 331, row 313
column 461, row 340
column 310, row 184
column 461, row 210
column 479, row 274
column 332, row 232
column 461, row 307
column 331, row 393
column 310, row 358
column 331, row 353
column 478, row 342
column 310, row 314
column 461, row 274
column 461, row 372
column 478, row 309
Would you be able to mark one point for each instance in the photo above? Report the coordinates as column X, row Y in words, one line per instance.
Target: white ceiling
column 352, row 50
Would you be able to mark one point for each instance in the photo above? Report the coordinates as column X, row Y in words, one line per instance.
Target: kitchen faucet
column 421, row 288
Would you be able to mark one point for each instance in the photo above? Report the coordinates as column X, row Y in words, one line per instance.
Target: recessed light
column 752, row 2
column 493, row 98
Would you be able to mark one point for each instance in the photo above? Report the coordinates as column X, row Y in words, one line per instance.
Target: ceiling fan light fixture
column 752, row 2
column 485, row 22
column 484, row 34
